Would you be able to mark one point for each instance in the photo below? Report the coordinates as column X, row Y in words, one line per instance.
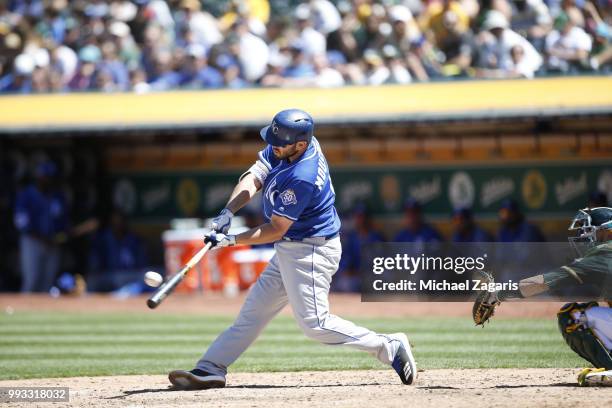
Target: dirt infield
column 435, row 388
column 216, row 304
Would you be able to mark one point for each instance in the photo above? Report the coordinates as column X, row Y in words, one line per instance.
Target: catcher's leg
column 599, row 320
column 574, row 327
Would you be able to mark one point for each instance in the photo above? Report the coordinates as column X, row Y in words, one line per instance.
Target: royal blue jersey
column 301, row 191
column 41, row 214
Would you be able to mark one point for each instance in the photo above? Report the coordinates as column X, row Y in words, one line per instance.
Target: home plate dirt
column 435, row 388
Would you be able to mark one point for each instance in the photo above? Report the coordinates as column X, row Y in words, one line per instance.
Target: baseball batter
column 586, row 327
column 301, row 220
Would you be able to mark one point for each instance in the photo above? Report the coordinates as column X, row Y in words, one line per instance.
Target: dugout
column 545, row 142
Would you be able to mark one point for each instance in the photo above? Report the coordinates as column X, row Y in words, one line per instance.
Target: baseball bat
column 168, row 286
column 85, row 227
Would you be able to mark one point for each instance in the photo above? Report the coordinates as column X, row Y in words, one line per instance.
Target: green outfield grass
column 73, row 344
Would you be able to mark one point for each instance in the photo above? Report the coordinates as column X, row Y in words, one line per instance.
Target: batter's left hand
column 219, row 240
column 221, row 223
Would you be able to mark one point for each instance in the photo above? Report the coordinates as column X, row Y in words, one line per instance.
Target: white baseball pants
column 599, row 319
column 300, row 273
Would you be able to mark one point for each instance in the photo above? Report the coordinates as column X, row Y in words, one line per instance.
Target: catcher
column 586, row 327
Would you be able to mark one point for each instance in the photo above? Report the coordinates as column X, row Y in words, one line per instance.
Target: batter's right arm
column 248, row 185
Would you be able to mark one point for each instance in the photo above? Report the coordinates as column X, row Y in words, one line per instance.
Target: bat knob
column 152, row 304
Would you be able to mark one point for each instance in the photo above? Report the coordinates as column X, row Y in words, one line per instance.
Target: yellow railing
column 256, row 106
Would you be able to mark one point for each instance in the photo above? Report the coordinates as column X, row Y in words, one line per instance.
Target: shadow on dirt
column 442, row 387
column 253, row 386
column 143, row 391
column 571, row 385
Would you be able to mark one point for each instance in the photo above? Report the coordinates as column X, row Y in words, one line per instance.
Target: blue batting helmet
column 288, row 127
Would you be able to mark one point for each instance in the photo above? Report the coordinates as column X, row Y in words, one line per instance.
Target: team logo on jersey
column 271, row 192
column 274, row 128
column 288, row 197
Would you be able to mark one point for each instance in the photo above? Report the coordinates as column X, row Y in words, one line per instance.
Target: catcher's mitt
column 485, row 304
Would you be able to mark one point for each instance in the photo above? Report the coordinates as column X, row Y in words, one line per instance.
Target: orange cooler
column 227, row 269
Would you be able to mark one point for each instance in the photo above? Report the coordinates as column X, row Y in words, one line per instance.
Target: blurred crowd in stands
column 155, row 45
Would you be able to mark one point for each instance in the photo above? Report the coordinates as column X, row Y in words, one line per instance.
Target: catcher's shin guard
column 581, row 339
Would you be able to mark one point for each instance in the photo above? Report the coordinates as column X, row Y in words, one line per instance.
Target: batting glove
column 221, row 223
column 219, row 240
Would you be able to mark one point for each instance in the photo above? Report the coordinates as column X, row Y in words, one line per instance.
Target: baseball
column 153, row 279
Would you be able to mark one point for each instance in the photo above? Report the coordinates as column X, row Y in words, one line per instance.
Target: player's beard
column 289, row 151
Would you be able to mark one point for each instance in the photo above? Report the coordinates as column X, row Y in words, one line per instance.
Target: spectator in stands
column 434, row 19
column 138, row 81
column 514, row 227
column 371, row 31
column 521, row 66
column 41, row 217
column 313, row 42
column 601, row 52
column 84, row 79
column 532, row 20
column 41, row 78
column 64, row 61
column 456, row 46
column 573, row 12
column 255, row 12
column 325, row 75
column 230, row 69
column 250, row 51
column 202, row 24
column 376, row 71
column 326, row 17
column 601, row 55
column 466, row 229
column 111, row 64
column 398, row 73
column 428, row 57
column 196, row 73
column 351, row 72
column 497, row 43
column 405, row 29
column 406, row 37
column 416, row 229
column 568, row 46
column 356, row 242
column 20, row 79
column 164, row 76
column 117, row 256
column 343, row 42
column 387, row 68
column 300, row 65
